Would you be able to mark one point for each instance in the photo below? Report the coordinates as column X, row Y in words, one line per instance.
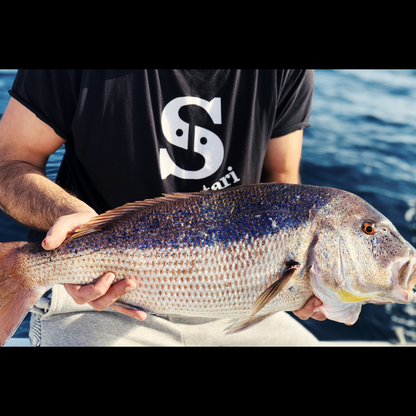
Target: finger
column 64, row 227
column 82, row 294
column 318, row 315
column 140, row 315
column 112, row 294
column 87, row 293
column 55, row 237
column 311, row 309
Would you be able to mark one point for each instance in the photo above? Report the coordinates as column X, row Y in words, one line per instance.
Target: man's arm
column 282, row 160
column 281, row 164
column 30, row 197
column 25, row 192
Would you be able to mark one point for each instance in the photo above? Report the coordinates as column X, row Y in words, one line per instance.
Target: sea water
column 362, row 139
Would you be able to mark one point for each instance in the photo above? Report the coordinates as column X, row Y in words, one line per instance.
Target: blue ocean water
column 363, row 140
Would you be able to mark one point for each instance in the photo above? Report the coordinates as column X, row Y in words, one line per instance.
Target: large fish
column 244, row 253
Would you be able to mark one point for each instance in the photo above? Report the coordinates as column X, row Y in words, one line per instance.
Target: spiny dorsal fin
column 99, row 222
column 265, row 297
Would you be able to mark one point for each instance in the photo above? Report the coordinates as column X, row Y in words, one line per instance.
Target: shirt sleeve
column 295, row 91
column 50, row 94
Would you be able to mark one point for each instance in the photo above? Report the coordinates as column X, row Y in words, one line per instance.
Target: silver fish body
column 243, row 253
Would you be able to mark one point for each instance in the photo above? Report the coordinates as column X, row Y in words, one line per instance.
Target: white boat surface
column 24, row 342
column 17, row 342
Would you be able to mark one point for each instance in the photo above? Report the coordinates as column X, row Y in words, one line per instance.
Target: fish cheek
column 357, row 264
column 372, row 256
column 388, row 248
column 358, row 258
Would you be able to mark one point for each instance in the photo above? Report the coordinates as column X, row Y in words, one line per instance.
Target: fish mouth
column 404, row 278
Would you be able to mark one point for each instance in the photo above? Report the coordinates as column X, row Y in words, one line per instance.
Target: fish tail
column 17, row 293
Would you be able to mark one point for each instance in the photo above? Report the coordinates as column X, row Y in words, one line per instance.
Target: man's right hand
column 102, row 293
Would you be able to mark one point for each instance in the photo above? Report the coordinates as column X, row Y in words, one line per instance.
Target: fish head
column 357, row 256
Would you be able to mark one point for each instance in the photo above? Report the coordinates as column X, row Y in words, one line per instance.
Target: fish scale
column 243, row 253
column 189, row 256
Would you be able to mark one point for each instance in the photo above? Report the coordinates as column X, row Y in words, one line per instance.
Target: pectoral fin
column 275, row 288
column 265, row 297
column 244, row 323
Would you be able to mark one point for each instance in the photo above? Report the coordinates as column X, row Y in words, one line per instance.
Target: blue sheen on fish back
column 245, row 212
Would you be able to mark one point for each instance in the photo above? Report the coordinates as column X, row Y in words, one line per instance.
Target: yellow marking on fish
column 349, row 297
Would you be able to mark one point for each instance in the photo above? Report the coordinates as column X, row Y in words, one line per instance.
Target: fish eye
column 368, row 228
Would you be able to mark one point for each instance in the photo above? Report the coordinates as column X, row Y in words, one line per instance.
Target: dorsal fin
column 100, row 221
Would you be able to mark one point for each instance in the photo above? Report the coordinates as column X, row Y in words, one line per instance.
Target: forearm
column 31, row 198
column 282, row 160
column 285, row 177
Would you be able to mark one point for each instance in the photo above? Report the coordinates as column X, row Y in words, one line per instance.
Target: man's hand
column 102, row 293
column 311, row 310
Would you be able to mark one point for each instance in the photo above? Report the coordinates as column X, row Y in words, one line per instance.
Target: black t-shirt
column 135, row 134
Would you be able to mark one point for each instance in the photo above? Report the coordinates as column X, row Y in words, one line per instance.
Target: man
column 135, row 134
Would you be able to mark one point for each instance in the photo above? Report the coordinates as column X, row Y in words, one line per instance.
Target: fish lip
column 403, row 276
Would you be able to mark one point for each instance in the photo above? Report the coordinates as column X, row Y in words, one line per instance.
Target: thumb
column 55, row 237
column 64, row 227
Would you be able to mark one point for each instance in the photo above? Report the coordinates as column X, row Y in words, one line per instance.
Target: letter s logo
column 206, row 143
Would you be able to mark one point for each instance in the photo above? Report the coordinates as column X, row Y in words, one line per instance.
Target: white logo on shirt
column 206, row 142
